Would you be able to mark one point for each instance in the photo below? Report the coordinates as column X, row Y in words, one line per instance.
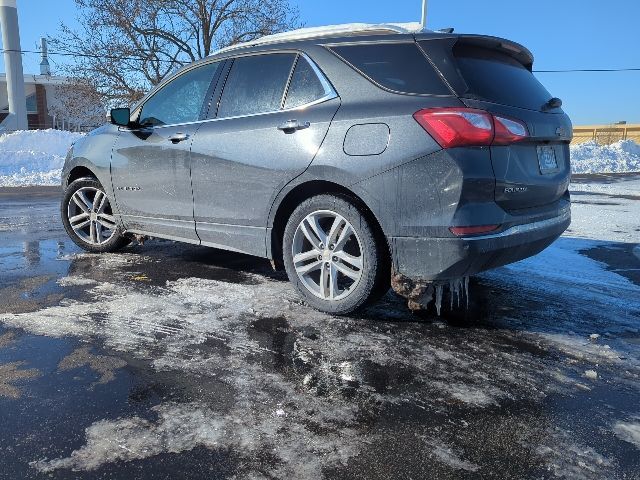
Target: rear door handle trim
column 178, row 137
column 291, row 126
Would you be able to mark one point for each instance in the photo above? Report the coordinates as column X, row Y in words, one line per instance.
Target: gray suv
column 347, row 157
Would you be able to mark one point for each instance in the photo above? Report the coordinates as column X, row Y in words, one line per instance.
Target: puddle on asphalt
column 103, row 365
column 618, row 258
column 11, row 375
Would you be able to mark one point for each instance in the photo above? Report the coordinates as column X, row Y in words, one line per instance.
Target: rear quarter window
column 305, row 86
column 496, row 77
column 400, row 67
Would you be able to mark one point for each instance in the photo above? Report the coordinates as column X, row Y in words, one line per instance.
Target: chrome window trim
column 285, row 93
column 330, row 94
column 208, row 120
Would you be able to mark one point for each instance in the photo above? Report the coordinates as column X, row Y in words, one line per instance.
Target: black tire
column 117, row 240
column 375, row 272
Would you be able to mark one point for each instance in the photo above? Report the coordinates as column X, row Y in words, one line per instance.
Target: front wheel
column 88, row 217
column 332, row 256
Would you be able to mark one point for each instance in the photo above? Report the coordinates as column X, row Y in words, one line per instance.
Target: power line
column 88, row 55
column 572, row 70
column 115, row 57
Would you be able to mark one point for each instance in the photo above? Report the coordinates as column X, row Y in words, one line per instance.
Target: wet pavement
column 175, row 361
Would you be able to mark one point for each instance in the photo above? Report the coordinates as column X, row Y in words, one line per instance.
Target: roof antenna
column 423, row 21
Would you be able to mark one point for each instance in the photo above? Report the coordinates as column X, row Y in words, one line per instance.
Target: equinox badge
column 515, row 189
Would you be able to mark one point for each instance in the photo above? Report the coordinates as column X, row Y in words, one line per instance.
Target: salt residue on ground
column 33, row 157
column 619, row 157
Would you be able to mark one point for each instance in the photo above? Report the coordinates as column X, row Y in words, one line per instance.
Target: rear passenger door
column 273, row 114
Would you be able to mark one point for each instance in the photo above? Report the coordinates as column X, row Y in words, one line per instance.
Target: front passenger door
column 151, row 164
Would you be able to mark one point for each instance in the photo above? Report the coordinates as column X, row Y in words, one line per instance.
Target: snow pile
column 33, row 157
column 619, row 157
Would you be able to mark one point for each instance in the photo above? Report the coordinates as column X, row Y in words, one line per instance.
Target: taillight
column 459, row 127
column 508, row 130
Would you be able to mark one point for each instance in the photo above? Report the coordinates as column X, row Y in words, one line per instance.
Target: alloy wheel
column 90, row 216
column 327, row 255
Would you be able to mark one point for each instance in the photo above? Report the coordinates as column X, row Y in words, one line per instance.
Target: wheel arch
column 299, row 194
column 79, row 171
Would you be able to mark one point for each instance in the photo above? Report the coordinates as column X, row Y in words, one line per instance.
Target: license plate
column 547, row 159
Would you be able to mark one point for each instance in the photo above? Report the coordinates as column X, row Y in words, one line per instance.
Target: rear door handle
column 291, row 126
column 178, row 137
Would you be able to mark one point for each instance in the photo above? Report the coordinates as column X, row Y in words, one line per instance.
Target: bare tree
column 78, row 104
column 124, row 47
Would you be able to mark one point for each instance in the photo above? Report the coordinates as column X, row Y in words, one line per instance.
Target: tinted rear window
column 400, row 67
column 496, row 77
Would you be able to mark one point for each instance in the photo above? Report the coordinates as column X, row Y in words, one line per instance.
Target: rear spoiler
column 513, row 49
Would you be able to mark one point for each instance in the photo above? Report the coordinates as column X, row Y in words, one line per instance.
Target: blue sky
column 562, row 34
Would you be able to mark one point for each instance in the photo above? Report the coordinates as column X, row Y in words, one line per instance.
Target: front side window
column 181, row 100
column 256, row 84
column 305, row 86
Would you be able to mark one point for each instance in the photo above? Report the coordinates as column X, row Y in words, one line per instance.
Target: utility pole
column 45, row 68
column 423, row 21
column 17, row 119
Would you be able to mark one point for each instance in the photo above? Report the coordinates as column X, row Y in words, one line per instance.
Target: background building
column 41, row 97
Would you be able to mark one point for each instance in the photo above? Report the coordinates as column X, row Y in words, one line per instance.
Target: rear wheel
column 88, row 217
column 332, row 256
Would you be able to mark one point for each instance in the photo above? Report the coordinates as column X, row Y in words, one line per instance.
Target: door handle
column 178, row 137
column 291, row 126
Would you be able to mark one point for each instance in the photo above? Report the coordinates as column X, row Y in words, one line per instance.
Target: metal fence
column 606, row 134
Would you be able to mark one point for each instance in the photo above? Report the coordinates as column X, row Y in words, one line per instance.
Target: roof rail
column 346, row 29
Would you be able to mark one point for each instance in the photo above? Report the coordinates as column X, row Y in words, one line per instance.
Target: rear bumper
column 448, row 258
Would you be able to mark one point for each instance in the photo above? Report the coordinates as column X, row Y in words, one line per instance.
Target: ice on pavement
column 167, row 325
column 606, row 210
column 209, row 329
column 628, row 431
column 591, row 374
column 448, row 456
column 33, row 157
column 615, row 189
column 574, row 461
column 178, row 428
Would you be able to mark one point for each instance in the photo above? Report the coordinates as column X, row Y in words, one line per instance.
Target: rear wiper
column 554, row 102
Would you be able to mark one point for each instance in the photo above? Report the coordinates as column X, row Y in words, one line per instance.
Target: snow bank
column 33, row 157
column 590, row 157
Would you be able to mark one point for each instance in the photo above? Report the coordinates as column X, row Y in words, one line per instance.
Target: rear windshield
column 400, row 67
column 496, row 77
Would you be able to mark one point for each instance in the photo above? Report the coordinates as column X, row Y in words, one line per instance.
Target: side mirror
column 120, row 116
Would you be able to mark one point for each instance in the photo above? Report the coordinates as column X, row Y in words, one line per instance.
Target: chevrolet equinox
column 346, row 155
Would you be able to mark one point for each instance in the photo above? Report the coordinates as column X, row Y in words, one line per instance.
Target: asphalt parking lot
column 175, row 361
